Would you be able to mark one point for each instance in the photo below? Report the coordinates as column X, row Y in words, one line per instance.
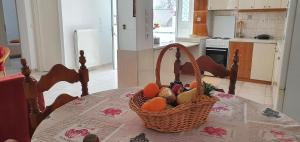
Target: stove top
column 217, row 42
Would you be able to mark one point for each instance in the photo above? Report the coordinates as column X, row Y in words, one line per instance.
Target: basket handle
column 192, row 59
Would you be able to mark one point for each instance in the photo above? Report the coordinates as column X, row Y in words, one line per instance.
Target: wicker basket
column 183, row 117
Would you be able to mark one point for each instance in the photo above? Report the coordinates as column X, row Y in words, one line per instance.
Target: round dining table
column 107, row 115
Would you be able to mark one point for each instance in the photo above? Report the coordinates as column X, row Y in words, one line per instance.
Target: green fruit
column 168, row 95
column 186, row 97
column 169, row 106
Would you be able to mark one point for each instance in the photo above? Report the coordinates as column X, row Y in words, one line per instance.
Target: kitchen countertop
column 272, row 41
column 187, row 44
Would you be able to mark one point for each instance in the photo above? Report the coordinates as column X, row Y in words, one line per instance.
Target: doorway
column 10, row 35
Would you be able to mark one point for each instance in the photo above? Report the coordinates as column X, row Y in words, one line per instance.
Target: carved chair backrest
column 57, row 73
column 206, row 63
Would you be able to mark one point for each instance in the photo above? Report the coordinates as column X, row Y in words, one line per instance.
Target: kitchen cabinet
column 284, row 3
column 266, row 4
column 246, row 4
column 222, row 4
column 200, row 16
column 263, row 61
column 245, row 58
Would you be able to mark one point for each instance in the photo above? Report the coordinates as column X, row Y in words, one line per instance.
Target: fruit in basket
column 177, row 89
column 155, row 104
column 186, row 97
column 151, row 90
column 193, row 84
column 167, row 94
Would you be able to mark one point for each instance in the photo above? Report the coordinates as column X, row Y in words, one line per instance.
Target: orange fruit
column 156, row 104
column 151, row 90
column 193, row 84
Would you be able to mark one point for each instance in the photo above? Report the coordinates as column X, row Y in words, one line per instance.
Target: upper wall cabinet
column 284, row 3
column 266, row 4
column 246, row 4
column 222, row 4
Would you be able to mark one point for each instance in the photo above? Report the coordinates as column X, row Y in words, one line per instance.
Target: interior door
column 3, row 39
column 292, row 97
column 46, row 26
column 106, row 31
column 126, row 25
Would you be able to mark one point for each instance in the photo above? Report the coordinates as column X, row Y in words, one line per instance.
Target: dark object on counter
column 263, row 36
column 271, row 113
column 140, row 138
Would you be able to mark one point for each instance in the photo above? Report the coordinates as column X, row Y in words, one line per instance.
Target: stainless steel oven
column 219, row 55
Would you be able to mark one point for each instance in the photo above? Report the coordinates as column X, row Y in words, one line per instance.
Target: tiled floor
column 260, row 93
column 105, row 78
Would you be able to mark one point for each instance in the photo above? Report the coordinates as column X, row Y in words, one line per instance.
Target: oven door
column 219, row 55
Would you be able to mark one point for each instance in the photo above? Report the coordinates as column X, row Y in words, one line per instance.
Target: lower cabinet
column 245, row 58
column 256, row 60
column 263, row 61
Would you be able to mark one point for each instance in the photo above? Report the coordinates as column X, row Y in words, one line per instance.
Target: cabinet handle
column 278, row 58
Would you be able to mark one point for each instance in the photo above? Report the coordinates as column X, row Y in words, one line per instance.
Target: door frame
column 115, row 51
column 3, row 38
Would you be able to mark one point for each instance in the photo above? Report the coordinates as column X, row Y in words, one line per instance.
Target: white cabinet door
column 284, row 3
column 265, row 4
column 274, row 3
column 246, row 4
column 263, row 61
column 222, row 4
column 261, row 4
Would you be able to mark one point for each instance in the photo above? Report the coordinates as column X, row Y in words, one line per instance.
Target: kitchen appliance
column 286, row 92
column 240, row 27
column 217, row 47
column 263, row 36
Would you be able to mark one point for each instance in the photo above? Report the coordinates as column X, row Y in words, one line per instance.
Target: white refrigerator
column 287, row 97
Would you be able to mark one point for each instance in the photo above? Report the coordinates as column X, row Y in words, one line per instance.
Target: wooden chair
column 207, row 64
column 4, row 54
column 33, row 88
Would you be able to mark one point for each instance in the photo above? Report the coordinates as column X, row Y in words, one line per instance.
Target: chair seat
column 13, row 109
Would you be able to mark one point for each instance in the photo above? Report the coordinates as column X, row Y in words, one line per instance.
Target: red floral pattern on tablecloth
column 225, row 96
column 72, row 133
column 130, row 95
column 112, row 112
column 220, row 109
column 280, row 136
column 219, row 132
column 79, row 101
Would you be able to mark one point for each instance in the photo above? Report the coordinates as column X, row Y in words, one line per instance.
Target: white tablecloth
column 107, row 114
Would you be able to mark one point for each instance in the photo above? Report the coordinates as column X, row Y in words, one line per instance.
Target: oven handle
column 223, row 50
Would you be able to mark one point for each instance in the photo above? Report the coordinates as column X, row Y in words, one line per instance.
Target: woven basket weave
column 183, row 117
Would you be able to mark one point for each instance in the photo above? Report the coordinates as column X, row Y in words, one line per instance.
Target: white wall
column 86, row 14
column 11, row 19
column 127, row 37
